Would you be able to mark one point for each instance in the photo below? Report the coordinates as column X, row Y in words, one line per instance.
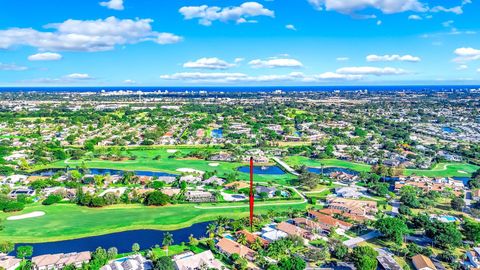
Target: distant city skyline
column 239, row 43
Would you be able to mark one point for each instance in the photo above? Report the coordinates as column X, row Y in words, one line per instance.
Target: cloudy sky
column 230, row 42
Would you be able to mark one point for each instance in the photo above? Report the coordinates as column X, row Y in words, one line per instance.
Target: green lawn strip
column 69, row 221
column 299, row 161
column 446, row 170
column 145, row 161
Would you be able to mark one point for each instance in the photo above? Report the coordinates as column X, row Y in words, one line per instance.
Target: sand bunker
column 172, row 151
column 464, row 172
column 213, row 164
column 189, row 170
column 29, row 215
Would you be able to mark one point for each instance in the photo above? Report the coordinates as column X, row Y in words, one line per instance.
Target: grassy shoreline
column 69, row 221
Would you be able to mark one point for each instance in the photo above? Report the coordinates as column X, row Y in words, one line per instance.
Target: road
column 285, row 166
column 357, row 240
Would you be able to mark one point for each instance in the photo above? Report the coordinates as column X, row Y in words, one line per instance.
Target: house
column 214, row 180
column 191, row 261
column 59, row 261
column 134, row 262
column 270, row 191
column 251, row 238
column 328, row 222
column 422, row 262
column 307, row 224
column 361, row 208
column 171, row 191
column 271, row 234
column 474, row 257
column 9, row 262
column 348, row 192
column 291, row 229
column 229, row 247
column 334, row 212
column 237, row 185
column 167, row 179
column 476, row 195
column 200, row 196
column 191, row 179
column 388, row 262
column 21, row 191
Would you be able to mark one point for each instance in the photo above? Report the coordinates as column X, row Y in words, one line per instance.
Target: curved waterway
column 96, row 171
column 272, row 170
column 123, row 241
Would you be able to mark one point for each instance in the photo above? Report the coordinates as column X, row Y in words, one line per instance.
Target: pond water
column 329, row 170
column 123, row 241
column 273, row 170
column 449, row 130
column 96, row 171
column 217, row 133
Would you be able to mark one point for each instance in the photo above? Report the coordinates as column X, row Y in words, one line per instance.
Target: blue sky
column 230, row 42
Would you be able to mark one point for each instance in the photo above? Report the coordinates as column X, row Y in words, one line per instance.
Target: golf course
column 439, row 170
column 69, row 221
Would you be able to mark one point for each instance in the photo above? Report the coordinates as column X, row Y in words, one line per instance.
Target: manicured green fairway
column 446, row 170
column 69, row 221
column 440, row 170
column 146, row 161
column 299, row 161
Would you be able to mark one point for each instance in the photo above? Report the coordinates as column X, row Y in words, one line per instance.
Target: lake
column 123, row 241
column 329, row 170
column 273, row 170
column 449, row 130
column 95, row 171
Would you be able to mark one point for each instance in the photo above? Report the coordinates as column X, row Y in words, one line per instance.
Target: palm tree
column 257, row 244
column 211, row 228
column 167, row 240
column 242, row 239
column 220, row 230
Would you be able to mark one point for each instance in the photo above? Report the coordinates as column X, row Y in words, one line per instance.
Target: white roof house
column 204, row 260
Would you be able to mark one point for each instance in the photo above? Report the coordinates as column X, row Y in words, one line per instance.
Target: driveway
column 357, row 240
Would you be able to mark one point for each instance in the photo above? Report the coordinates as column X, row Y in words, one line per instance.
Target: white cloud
column 47, row 56
column 12, row 67
column 89, row 35
column 113, row 4
column 200, row 76
column 291, row 27
column 466, row 54
column 478, row 70
column 394, row 57
column 239, row 60
column 342, row 59
column 338, row 76
column 276, row 63
column 462, row 67
column 352, row 6
column 240, row 14
column 78, row 76
column 415, row 17
column 128, row 81
column 371, row 71
column 208, row 63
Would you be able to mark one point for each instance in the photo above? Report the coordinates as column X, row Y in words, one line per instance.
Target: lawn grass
column 69, row 221
column 145, row 161
column 300, row 161
column 440, row 170
column 446, row 170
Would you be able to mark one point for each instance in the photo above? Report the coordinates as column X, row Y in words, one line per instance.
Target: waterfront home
column 356, row 207
column 14, row 179
column 251, row 237
column 328, row 222
column 473, row 257
column 200, row 196
column 133, row 262
column 59, row 261
column 291, row 229
column 348, row 192
column 167, row 179
column 21, row 191
column 191, row 261
column 191, row 179
column 9, row 262
column 422, row 262
column 230, row 247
